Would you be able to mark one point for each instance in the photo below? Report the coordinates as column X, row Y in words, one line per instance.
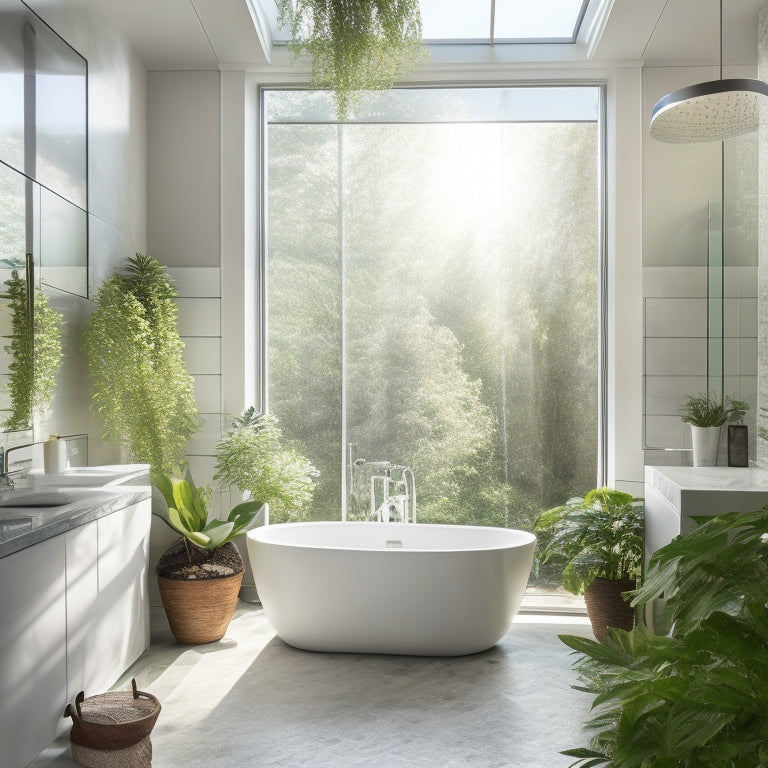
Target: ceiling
column 220, row 33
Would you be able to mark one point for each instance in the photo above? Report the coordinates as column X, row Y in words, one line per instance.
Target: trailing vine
column 35, row 353
column 355, row 45
column 141, row 388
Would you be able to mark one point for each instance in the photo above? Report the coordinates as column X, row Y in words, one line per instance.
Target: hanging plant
column 142, row 390
column 355, row 45
column 35, row 353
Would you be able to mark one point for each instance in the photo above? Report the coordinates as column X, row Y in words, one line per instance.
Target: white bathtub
column 428, row 590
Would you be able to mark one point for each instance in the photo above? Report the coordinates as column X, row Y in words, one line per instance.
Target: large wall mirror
column 43, row 187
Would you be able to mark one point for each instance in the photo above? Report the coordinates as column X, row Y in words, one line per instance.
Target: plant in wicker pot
column 200, row 574
column 598, row 540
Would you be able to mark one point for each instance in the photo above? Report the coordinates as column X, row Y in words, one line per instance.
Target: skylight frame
column 280, row 35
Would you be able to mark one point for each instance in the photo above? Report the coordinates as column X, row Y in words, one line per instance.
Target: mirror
column 43, row 190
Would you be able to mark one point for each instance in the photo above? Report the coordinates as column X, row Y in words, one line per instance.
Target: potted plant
column 355, row 45
column 706, row 415
column 599, row 542
column 253, row 457
column 696, row 696
column 141, row 388
column 200, row 574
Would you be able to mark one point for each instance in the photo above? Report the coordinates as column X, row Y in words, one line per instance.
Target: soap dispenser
column 52, row 455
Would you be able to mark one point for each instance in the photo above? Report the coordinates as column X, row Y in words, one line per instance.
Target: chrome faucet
column 6, row 480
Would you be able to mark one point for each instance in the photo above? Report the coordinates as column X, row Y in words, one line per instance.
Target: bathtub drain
column 394, row 544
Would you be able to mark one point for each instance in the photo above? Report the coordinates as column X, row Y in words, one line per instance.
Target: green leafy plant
column 598, row 536
column 355, row 45
column 35, row 351
column 697, row 697
column 142, row 390
column 187, row 512
column 706, row 411
column 251, row 456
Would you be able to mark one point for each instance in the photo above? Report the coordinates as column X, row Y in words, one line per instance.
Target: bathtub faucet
column 397, row 495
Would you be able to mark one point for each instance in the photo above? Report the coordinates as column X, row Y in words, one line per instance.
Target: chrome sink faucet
column 6, row 481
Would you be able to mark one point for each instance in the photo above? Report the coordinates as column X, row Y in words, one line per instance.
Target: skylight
column 485, row 22
column 501, row 21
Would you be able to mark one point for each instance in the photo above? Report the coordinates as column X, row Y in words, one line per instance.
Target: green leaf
column 199, row 538
column 163, row 483
column 218, row 532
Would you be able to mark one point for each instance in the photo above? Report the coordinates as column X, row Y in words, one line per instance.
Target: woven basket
column 114, row 720
column 199, row 611
column 607, row 608
column 138, row 755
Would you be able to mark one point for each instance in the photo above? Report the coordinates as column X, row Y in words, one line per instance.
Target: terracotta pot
column 607, row 608
column 199, row 611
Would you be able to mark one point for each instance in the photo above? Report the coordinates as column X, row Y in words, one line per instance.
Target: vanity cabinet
column 74, row 616
column 675, row 495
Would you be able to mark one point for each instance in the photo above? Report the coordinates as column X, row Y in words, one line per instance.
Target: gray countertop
column 24, row 526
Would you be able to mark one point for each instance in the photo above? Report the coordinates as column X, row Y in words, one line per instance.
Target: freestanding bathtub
column 416, row 589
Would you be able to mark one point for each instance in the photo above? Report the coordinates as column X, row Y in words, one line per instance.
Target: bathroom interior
column 184, row 129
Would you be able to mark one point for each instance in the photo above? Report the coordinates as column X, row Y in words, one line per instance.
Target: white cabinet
column 73, row 616
column 33, row 684
column 675, row 495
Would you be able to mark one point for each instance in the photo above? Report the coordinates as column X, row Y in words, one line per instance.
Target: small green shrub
column 252, row 457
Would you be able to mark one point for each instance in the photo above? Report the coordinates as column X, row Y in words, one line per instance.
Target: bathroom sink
column 106, row 475
column 39, row 498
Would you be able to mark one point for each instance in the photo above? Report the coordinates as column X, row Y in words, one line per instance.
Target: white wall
column 116, row 192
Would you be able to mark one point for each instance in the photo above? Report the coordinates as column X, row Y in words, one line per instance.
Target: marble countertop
column 24, row 526
column 672, row 482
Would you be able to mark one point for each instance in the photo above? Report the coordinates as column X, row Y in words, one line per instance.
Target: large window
column 433, row 275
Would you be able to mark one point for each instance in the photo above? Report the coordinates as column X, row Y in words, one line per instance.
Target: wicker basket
column 606, row 607
column 138, row 755
column 112, row 721
column 199, row 611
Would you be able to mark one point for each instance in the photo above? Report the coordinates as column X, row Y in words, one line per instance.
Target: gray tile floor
column 251, row 700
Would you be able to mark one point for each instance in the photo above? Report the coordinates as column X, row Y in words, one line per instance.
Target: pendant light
column 711, row 111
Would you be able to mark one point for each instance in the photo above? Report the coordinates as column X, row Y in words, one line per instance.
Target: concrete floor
column 251, row 700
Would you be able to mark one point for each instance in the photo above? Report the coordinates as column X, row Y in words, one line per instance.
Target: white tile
column 680, row 282
column 748, row 309
column 740, row 317
column 732, row 357
column 199, row 317
column 202, row 354
column 664, row 395
column 740, row 282
column 196, row 282
column 207, row 393
column 676, row 357
column 748, row 360
column 664, row 432
column 675, row 317
column 748, row 282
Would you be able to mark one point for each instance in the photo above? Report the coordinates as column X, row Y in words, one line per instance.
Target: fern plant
column 599, row 536
column 252, row 457
column 35, row 352
column 355, row 45
column 698, row 697
column 141, row 388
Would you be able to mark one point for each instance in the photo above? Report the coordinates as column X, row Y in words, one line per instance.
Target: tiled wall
column 199, row 302
column 675, row 353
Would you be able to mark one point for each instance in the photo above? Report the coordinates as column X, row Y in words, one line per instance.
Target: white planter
column 706, row 441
